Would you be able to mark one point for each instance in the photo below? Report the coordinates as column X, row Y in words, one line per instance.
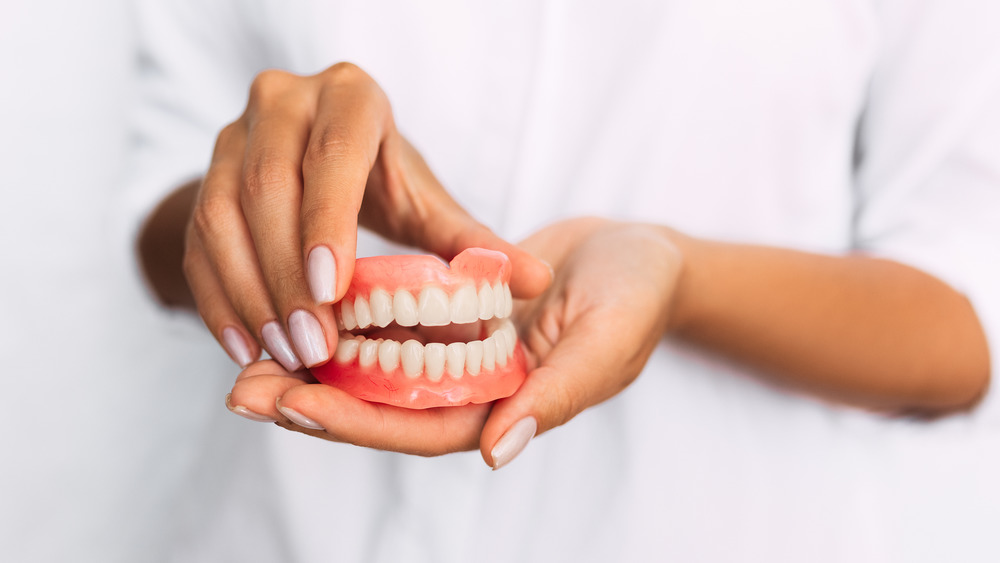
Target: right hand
column 273, row 234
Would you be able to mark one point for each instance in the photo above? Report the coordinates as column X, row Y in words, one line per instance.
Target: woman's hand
column 273, row 232
column 587, row 338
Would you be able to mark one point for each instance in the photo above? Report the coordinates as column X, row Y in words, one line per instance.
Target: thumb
column 575, row 375
column 531, row 276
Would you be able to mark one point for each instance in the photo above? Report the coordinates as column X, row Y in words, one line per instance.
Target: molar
column 347, row 350
column 464, row 305
column 455, row 354
column 381, row 307
column 412, row 355
column 434, row 358
column 433, row 306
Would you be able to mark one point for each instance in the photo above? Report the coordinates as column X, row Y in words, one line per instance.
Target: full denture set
column 416, row 333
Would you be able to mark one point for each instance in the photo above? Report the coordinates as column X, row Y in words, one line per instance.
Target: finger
column 575, row 375
column 220, row 228
column 258, row 387
column 352, row 118
column 531, row 276
column 271, row 198
column 214, row 307
column 343, row 418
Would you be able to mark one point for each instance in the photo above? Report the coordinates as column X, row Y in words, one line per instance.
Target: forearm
column 161, row 247
column 856, row 329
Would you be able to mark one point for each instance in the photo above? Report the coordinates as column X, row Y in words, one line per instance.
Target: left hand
column 587, row 338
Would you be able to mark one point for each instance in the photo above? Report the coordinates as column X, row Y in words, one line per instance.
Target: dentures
column 418, row 334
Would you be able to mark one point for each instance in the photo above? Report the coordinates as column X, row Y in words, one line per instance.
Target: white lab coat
column 827, row 126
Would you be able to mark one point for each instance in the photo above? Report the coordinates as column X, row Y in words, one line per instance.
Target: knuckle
column 264, row 175
column 268, row 85
column 210, row 216
column 338, row 146
column 346, row 72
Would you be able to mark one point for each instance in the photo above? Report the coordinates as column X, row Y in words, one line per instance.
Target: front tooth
column 347, row 314
column 499, row 305
column 501, row 343
column 362, row 312
column 455, row 359
column 508, row 301
column 381, row 304
column 434, row 357
column 388, row 355
column 433, row 307
column 368, row 353
column 474, row 357
column 486, row 303
column 465, row 305
column 404, row 308
column 412, row 355
column 489, row 354
column 347, row 350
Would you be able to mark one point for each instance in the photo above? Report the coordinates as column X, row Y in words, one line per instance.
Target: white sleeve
column 928, row 182
column 195, row 62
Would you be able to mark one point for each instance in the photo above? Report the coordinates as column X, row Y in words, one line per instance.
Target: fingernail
column 300, row 419
column 308, row 337
column 552, row 271
column 513, row 441
column 279, row 346
column 322, row 272
column 237, row 347
column 245, row 412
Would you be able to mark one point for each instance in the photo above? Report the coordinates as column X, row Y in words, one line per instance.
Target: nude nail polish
column 237, row 347
column 300, row 419
column 279, row 346
column 308, row 337
column 513, row 441
column 321, row 269
column 245, row 412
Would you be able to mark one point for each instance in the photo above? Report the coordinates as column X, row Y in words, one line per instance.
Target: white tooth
column 368, row 353
column 499, row 306
column 347, row 314
column 474, row 357
column 455, row 359
column 434, row 354
column 362, row 312
column 404, row 308
column 511, row 333
column 489, row 354
column 486, row 306
column 388, row 355
column 412, row 354
column 465, row 305
column 340, row 321
column 502, row 350
column 433, row 307
column 381, row 304
column 508, row 301
column 347, row 350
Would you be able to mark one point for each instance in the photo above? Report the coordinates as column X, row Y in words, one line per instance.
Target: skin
column 854, row 329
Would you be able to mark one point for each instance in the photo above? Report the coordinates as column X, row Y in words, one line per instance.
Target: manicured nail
column 300, row 419
column 552, row 271
column 237, row 347
column 513, row 441
column 245, row 412
column 279, row 346
column 308, row 337
column 322, row 272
